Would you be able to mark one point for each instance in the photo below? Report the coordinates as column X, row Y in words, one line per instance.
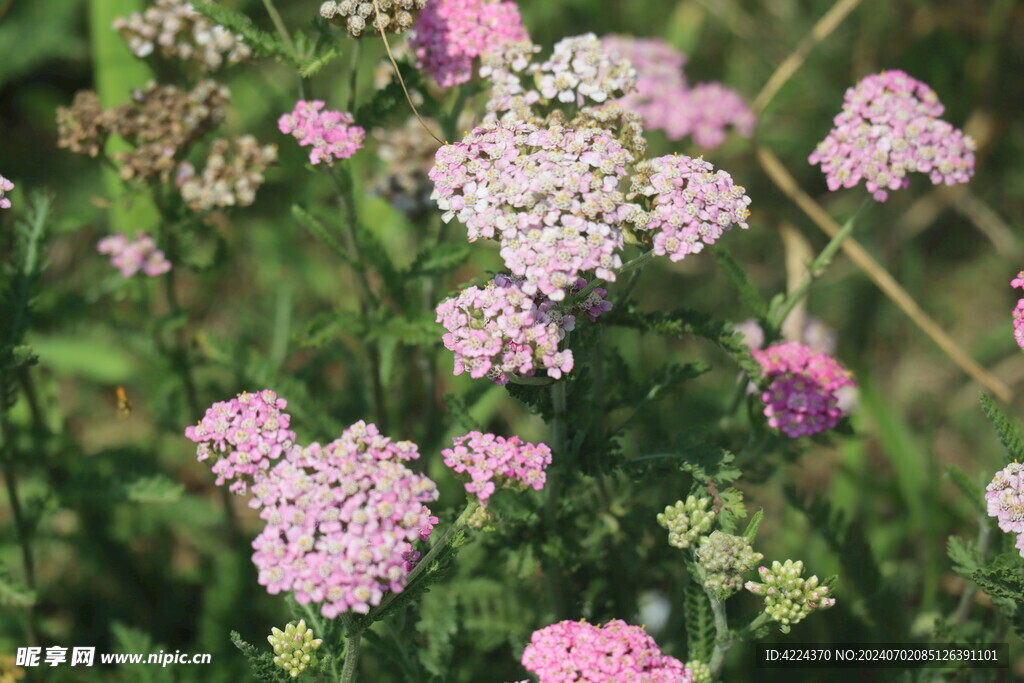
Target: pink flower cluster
column 616, row 652
column 493, row 461
column 244, row 435
column 1018, row 312
column 5, row 187
column 549, row 195
column 341, row 520
column 330, row 133
column 691, row 204
column 890, row 127
column 665, row 100
column 450, row 34
column 130, row 257
column 803, row 396
column 501, row 330
column 1005, row 501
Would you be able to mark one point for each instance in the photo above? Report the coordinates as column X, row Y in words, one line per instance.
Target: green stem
column 279, row 26
column 814, row 270
column 553, row 490
column 348, row 672
column 723, row 641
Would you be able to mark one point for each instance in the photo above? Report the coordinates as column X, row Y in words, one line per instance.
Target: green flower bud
column 687, row 521
column 724, row 559
column 701, row 671
column 789, row 598
column 294, row 647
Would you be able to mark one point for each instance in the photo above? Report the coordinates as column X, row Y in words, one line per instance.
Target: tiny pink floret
column 131, row 257
column 1004, row 500
column 330, row 133
column 494, row 461
column 5, row 187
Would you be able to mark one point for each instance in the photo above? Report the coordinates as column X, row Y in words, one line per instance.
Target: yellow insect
column 124, row 406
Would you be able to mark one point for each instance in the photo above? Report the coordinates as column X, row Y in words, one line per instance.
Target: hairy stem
column 963, row 608
column 723, row 640
column 348, row 672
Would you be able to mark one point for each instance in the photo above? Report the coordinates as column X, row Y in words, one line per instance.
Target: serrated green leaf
column 316, row 228
column 700, row 623
column 964, row 554
column 314, row 64
column 261, row 42
column 154, row 489
column 751, row 531
column 13, row 593
column 1008, row 431
column 971, row 490
column 261, row 661
column 749, row 295
column 439, row 258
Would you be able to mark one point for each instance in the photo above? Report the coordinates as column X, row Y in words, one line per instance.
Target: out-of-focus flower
column 788, row 597
column 803, row 395
column 341, row 520
column 179, row 31
column 494, row 461
column 234, row 171
column 578, row 651
column 407, row 155
column 133, row 256
column 243, row 435
column 691, row 204
column 294, row 647
column 549, row 195
column 330, row 133
column 687, row 521
column 5, row 187
column 450, row 34
column 359, row 16
column 1018, row 311
column 890, row 127
column 665, row 100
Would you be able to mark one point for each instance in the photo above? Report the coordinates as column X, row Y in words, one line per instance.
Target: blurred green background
column 119, row 570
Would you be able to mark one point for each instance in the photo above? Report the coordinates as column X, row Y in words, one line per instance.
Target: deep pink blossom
column 494, row 461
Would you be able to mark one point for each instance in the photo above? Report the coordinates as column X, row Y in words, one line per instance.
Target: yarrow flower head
column 243, row 435
column 330, row 133
column 131, row 257
column 890, row 127
column 494, row 461
column 179, row 31
column 724, row 559
column 234, row 171
column 500, row 330
column 450, row 34
column 687, row 521
column 1004, row 499
column 1018, row 311
column 5, row 187
column 578, row 651
column 549, row 195
column 390, row 16
column 294, row 647
column 665, row 100
column 803, row 397
column 788, row 597
column 341, row 520
column 691, row 204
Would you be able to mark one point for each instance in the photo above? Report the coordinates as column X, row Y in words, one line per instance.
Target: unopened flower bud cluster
column 1004, row 499
column 330, row 133
column 788, row 597
column 723, row 560
column 179, row 31
column 494, row 461
column 701, row 671
column 234, row 171
column 294, row 647
column 687, row 521
column 160, row 122
column 578, row 651
column 691, row 204
column 888, row 128
column 134, row 256
column 373, row 16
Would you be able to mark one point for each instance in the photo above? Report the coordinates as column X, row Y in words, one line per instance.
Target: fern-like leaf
column 1008, row 431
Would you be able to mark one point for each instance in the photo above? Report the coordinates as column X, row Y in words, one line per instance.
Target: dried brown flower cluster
column 160, row 122
column 394, row 16
column 231, row 176
column 179, row 31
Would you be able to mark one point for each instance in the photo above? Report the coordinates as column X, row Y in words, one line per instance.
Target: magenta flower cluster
column 5, row 187
column 330, row 133
column 803, row 395
column 890, row 127
column 665, row 100
column 691, row 204
column 549, row 195
column 1018, row 311
column 494, row 461
column 133, row 256
column 243, row 435
column 570, row 651
column 449, row 34
column 501, row 330
column 341, row 520
column 1005, row 501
